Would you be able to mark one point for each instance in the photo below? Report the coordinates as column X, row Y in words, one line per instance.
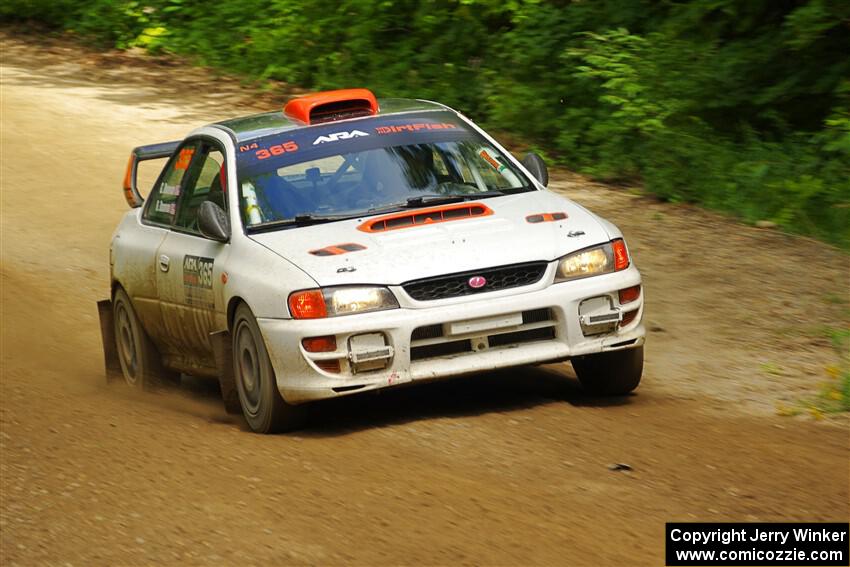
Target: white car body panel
column 263, row 269
column 300, row 380
column 398, row 256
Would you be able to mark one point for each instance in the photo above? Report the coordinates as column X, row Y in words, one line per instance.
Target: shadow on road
column 493, row 392
column 499, row 391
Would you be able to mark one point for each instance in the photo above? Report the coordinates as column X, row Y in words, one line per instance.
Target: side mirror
column 213, row 222
column 537, row 167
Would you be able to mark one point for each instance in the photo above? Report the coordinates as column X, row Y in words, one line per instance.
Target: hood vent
column 545, row 217
column 338, row 249
column 423, row 217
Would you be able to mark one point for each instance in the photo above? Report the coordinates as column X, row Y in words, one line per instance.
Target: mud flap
column 223, row 352
column 107, row 335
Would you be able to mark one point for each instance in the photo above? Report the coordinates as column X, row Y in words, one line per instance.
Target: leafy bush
column 741, row 105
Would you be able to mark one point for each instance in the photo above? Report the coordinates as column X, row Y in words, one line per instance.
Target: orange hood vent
column 424, row 217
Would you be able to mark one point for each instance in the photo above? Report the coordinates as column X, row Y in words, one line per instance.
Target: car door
column 189, row 265
column 137, row 250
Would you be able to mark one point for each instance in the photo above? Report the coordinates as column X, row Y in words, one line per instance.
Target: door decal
column 197, row 281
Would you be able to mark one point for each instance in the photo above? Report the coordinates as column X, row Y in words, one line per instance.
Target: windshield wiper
column 487, row 194
column 515, row 190
column 428, row 200
column 411, row 203
column 298, row 220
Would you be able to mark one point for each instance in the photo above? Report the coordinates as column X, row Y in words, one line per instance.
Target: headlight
column 335, row 301
column 610, row 257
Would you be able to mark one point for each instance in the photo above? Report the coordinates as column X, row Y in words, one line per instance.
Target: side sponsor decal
column 197, row 281
column 339, row 136
column 167, row 208
column 173, row 190
column 414, row 127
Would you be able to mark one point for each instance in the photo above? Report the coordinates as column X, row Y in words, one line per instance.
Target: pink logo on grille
column 477, row 282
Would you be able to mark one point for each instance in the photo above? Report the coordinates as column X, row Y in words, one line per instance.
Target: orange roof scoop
column 329, row 106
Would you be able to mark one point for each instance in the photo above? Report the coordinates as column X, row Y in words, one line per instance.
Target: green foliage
column 129, row 21
column 56, row 13
column 741, row 105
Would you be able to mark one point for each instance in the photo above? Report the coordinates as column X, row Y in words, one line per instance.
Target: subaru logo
column 477, row 282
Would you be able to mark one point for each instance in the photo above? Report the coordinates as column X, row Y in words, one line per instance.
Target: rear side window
column 205, row 181
column 161, row 207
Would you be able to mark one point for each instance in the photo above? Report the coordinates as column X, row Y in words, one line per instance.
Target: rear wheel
column 610, row 373
column 140, row 362
column 262, row 405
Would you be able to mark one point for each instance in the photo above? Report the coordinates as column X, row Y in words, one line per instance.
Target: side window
column 205, row 182
column 488, row 166
column 491, row 169
column 162, row 202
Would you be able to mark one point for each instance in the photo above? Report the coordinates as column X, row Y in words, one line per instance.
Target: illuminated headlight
column 345, row 300
column 335, row 301
column 610, row 257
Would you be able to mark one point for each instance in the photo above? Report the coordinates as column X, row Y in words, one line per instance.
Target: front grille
column 457, row 285
column 428, row 332
column 536, row 316
column 518, row 337
column 430, row 341
column 440, row 349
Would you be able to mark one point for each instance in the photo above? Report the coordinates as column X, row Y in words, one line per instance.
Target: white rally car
column 347, row 244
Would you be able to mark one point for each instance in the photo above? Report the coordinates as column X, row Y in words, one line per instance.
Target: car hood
column 397, row 256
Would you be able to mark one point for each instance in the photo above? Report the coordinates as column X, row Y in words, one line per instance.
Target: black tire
column 140, row 361
column 610, row 373
column 262, row 405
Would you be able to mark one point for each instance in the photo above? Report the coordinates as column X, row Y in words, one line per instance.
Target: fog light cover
column 369, row 351
column 597, row 315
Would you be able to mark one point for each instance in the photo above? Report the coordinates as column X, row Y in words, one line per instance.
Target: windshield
column 367, row 167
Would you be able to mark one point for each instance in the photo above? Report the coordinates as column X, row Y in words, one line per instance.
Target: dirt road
column 502, row 469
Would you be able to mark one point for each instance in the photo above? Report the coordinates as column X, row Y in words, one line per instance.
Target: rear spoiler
column 138, row 155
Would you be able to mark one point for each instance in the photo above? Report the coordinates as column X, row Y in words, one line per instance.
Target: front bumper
column 534, row 324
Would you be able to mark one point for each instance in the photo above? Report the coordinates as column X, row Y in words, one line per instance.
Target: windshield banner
column 339, row 138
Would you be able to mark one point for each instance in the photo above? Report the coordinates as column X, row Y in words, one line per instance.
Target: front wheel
column 262, row 405
column 610, row 373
